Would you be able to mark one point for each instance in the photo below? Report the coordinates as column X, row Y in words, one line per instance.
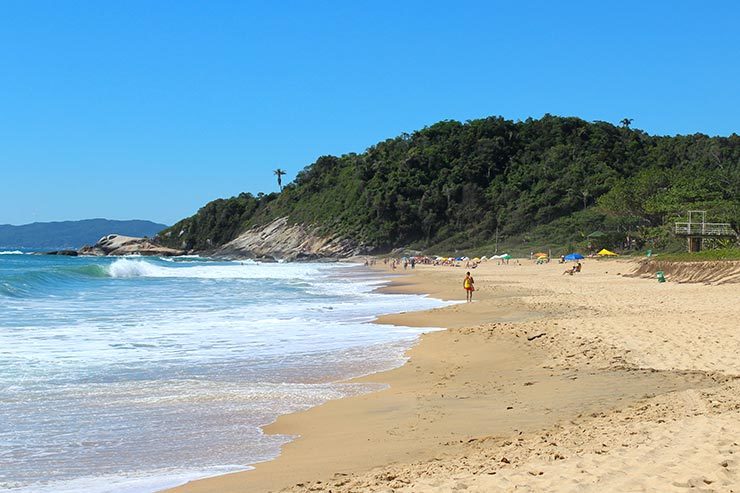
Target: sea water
column 135, row 374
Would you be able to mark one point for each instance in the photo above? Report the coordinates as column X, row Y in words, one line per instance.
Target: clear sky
column 149, row 109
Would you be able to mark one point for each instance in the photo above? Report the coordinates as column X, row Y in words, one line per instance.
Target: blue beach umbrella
column 573, row 256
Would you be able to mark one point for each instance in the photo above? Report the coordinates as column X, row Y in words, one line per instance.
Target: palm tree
column 279, row 173
column 626, row 122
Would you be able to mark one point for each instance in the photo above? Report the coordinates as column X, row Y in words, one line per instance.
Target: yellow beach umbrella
column 540, row 254
column 606, row 253
column 542, row 257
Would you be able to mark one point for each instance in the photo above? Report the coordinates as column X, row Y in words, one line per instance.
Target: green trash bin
column 660, row 275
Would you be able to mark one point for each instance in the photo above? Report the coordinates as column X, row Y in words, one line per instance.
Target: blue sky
column 148, row 110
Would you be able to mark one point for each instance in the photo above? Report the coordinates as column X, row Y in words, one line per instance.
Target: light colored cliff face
column 127, row 245
column 280, row 240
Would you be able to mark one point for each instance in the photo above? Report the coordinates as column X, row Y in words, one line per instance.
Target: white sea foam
column 11, row 252
column 177, row 258
column 153, row 481
column 164, row 348
column 126, row 267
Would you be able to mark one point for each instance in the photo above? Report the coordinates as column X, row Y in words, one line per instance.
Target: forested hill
column 459, row 185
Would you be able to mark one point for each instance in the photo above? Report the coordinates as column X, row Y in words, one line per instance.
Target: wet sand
column 544, row 383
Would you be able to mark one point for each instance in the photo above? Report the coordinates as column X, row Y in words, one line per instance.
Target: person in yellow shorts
column 469, row 285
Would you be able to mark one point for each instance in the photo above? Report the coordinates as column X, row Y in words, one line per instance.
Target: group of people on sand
column 405, row 262
column 468, row 281
column 410, row 262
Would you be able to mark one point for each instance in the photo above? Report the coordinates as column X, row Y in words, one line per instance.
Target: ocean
column 136, row 374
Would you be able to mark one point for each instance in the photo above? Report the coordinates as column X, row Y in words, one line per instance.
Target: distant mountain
column 71, row 234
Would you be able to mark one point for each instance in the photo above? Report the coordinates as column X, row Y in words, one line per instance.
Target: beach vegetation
column 731, row 253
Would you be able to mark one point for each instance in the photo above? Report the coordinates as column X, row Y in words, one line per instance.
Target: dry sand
column 593, row 382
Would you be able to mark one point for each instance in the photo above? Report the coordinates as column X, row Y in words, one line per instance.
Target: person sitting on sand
column 570, row 271
column 577, row 268
column 469, row 285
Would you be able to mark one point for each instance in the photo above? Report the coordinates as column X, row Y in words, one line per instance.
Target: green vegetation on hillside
column 462, row 185
column 706, row 255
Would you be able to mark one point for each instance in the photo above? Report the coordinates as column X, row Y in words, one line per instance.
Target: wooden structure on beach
column 697, row 229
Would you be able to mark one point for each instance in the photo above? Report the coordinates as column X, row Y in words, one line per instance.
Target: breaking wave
column 47, row 278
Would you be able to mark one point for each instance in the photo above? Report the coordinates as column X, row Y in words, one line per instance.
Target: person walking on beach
column 469, row 285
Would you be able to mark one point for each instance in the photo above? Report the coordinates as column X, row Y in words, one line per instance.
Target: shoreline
column 393, row 283
column 227, row 392
column 445, row 398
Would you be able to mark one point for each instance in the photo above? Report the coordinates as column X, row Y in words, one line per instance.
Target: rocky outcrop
column 128, row 245
column 280, row 240
column 66, row 253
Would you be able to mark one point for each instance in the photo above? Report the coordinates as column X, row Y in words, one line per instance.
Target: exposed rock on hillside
column 127, row 245
column 283, row 241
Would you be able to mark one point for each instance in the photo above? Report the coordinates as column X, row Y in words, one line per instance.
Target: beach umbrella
column 574, row 256
column 476, row 259
column 606, row 253
column 540, row 254
column 507, row 256
column 542, row 257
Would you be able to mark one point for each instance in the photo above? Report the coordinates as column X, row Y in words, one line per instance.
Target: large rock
column 128, row 245
column 68, row 253
column 283, row 241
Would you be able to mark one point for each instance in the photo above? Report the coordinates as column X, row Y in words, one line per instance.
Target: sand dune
column 703, row 272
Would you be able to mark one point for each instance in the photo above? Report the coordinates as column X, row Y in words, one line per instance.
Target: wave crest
column 127, row 267
column 35, row 281
column 123, row 267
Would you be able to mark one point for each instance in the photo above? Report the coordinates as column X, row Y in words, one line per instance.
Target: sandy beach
column 546, row 382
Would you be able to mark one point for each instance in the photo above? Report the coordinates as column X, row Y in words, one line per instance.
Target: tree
column 279, row 173
column 626, row 122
